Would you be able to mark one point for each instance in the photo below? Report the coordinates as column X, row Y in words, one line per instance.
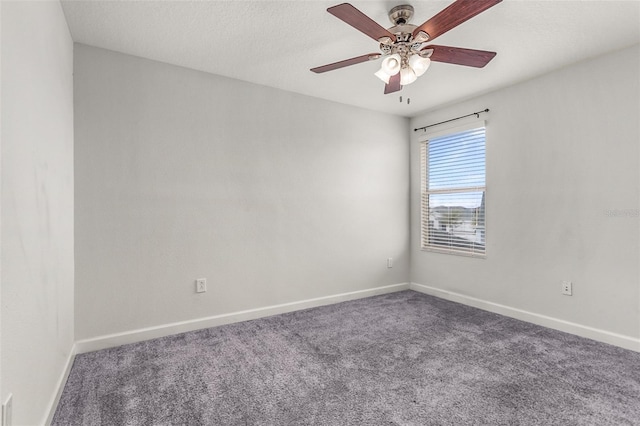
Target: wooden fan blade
column 346, row 63
column 460, row 56
column 360, row 21
column 393, row 85
column 454, row 15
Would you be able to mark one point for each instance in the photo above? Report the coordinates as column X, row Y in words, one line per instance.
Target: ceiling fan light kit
column 382, row 76
column 407, row 76
column 391, row 64
column 419, row 65
column 406, row 55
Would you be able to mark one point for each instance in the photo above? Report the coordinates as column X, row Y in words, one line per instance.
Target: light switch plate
column 201, row 285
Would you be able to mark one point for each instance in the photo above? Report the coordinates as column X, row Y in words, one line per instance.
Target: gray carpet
column 398, row 359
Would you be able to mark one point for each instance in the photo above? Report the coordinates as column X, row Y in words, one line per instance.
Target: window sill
column 454, row 252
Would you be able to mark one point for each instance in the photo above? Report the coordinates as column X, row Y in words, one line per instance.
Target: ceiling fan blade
column 393, row 85
column 454, row 15
column 460, row 56
column 346, row 63
column 360, row 21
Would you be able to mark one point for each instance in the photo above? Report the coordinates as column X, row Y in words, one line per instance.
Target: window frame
column 424, row 190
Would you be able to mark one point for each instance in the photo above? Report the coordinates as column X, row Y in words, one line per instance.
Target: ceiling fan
column 404, row 46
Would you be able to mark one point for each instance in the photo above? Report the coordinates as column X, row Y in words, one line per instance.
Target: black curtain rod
column 477, row 114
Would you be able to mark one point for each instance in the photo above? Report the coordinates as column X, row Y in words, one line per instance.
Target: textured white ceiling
column 275, row 43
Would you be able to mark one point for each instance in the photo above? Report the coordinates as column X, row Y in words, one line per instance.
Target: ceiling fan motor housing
column 404, row 45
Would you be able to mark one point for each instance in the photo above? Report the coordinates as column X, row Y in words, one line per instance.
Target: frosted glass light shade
column 382, row 76
column 407, row 76
column 391, row 64
column 419, row 64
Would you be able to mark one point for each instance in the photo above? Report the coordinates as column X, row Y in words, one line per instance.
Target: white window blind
column 453, row 192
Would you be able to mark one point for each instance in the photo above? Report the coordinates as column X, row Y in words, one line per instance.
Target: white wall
column 272, row 196
column 1, row 393
column 37, row 205
column 562, row 150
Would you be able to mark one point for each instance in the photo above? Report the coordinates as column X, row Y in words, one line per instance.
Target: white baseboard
column 139, row 335
column 621, row 340
column 62, row 380
column 134, row 336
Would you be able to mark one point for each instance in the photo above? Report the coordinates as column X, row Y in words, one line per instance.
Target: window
column 453, row 192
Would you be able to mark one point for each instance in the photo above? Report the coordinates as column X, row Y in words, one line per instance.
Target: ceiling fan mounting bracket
column 426, row 53
column 401, row 14
column 386, row 49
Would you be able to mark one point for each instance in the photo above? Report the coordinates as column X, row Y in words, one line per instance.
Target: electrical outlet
column 201, row 285
column 6, row 411
column 390, row 262
column 567, row 288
